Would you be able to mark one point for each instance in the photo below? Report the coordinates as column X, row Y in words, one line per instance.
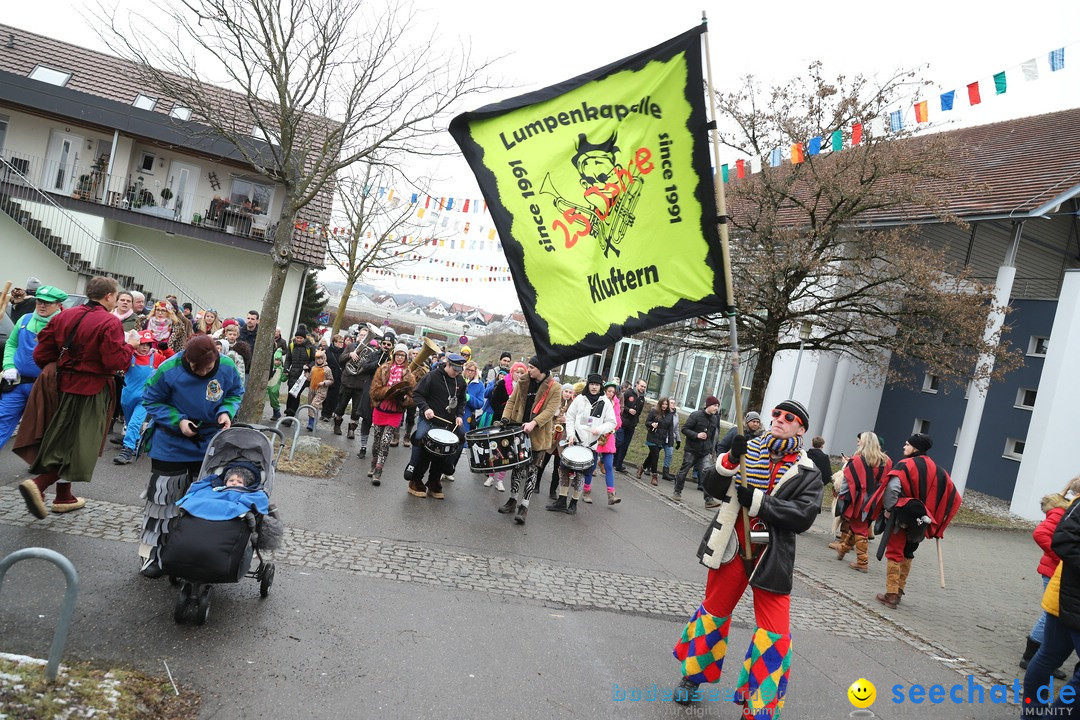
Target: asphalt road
column 385, row 605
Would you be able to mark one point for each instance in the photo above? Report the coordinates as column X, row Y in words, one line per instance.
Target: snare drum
column 498, row 448
column 441, row 442
column 577, row 458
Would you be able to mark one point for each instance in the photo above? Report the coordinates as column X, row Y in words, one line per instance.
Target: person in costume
column 388, row 410
column 533, row 404
column 191, row 396
column 860, row 479
column 367, row 371
column 605, row 447
column 496, row 397
column 590, row 420
column 781, row 498
column 917, row 501
column 19, row 365
column 144, row 362
column 79, row 351
column 558, row 432
column 440, row 404
column 273, row 385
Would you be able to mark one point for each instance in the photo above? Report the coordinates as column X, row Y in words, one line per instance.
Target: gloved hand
column 746, row 495
column 737, row 449
column 10, row 374
column 678, row 444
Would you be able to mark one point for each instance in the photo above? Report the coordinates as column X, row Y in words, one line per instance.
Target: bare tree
column 804, row 249
column 379, row 233
column 326, row 83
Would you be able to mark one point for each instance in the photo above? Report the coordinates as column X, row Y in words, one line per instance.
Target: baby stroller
column 199, row 551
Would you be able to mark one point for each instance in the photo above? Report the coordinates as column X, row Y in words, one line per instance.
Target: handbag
column 298, row 386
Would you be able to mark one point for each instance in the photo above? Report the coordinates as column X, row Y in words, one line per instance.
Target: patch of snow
column 993, row 506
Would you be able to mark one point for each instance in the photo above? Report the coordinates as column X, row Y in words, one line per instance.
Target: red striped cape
column 862, row 481
column 922, row 479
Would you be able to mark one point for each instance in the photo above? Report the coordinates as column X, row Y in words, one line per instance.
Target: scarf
column 396, row 373
column 123, row 316
column 759, row 459
column 162, row 329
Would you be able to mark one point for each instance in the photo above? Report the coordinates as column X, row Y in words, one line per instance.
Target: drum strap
column 543, row 398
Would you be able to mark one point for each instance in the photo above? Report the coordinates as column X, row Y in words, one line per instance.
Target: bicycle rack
column 295, row 422
column 67, row 609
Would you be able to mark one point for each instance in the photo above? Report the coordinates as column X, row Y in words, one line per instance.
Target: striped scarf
column 759, row 454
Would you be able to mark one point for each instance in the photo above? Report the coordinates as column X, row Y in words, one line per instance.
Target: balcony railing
column 136, row 193
column 80, row 248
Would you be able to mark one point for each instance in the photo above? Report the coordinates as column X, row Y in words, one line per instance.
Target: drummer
column 533, row 404
column 590, row 416
column 440, row 404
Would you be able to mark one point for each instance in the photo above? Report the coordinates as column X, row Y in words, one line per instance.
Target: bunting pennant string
column 1029, row 70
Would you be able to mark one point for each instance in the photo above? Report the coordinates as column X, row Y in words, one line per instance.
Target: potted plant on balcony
column 166, row 196
column 84, row 188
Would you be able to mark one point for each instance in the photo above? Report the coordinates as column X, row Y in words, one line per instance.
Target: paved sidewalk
column 977, row 624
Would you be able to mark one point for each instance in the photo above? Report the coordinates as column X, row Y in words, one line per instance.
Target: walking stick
column 5, row 296
column 725, row 252
column 940, row 563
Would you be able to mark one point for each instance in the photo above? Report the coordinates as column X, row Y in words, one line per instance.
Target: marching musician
column 352, row 386
column 368, row 365
column 440, row 403
column 391, row 390
column 533, row 404
column 558, row 432
column 590, row 417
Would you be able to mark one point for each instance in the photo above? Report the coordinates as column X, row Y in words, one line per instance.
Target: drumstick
column 448, row 422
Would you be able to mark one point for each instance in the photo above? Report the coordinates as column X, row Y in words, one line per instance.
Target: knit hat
column 47, row 293
column 567, row 386
column 32, row 284
column 401, row 348
column 579, row 387
column 594, row 379
column 535, row 362
column 921, row 442
column 611, row 384
column 797, row 409
column 505, row 354
column 466, row 350
column 711, row 400
column 751, row 416
column 301, row 330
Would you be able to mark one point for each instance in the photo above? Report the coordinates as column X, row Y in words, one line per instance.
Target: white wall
column 22, row 256
column 1048, row 464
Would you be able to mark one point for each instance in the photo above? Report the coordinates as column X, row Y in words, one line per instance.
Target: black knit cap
column 921, row 442
column 535, row 362
column 795, row 408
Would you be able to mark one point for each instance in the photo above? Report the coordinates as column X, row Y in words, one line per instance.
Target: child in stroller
column 224, row 519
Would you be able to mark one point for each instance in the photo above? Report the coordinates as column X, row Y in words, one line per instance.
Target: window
column 1025, row 398
column 1037, row 345
column 180, row 112
column 146, row 165
column 246, row 191
column 271, row 139
column 1014, row 449
column 4, row 120
column 144, row 102
column 931, row 383
column 921, row 426
column 50, row 75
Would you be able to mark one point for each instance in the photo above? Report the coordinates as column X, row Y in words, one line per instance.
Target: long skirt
column 75, row 436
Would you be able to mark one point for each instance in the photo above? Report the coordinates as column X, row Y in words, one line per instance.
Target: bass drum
column 441, row 442
column 498, row 448
column 577, row 458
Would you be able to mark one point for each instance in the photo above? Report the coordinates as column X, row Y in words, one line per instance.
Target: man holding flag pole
column 602, row 191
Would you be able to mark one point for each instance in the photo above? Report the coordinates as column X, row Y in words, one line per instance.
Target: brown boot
column 417, row 489
column 655, row 478
column 395, row 437
column 840, row 541
column 846, row 544
column 891, row 598
column 640, row 471
column 862, row 555
column 905, row 568
column 352, row 430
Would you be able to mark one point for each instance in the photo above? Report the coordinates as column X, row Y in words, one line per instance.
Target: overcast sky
column 551, row 41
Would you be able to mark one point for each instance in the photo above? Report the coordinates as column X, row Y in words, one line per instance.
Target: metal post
column 67, row 608
column 804, row 334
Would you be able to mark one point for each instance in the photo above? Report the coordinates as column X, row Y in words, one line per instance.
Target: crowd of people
column 177, row 378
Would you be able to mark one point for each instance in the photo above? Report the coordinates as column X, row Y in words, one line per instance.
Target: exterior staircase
column 74, row 260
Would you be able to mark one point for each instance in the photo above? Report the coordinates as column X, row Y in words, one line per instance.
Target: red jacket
column 97, row 351
column 1043, row 534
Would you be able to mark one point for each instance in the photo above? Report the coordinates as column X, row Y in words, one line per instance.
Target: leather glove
column 678, row 444
column 10, row 374
column 745, row 494
column 737, row 449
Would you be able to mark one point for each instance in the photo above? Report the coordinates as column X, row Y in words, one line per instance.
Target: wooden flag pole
column 940, row 563
column 725, row 252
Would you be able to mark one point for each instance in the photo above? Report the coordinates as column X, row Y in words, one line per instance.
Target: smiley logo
column 862, row 693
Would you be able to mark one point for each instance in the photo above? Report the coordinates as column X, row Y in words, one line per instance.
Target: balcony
column 130, row 199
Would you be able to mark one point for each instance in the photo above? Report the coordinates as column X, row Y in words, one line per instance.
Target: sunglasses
column 788, row 417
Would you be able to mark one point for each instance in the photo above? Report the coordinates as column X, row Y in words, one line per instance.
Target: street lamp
column 804, row 335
